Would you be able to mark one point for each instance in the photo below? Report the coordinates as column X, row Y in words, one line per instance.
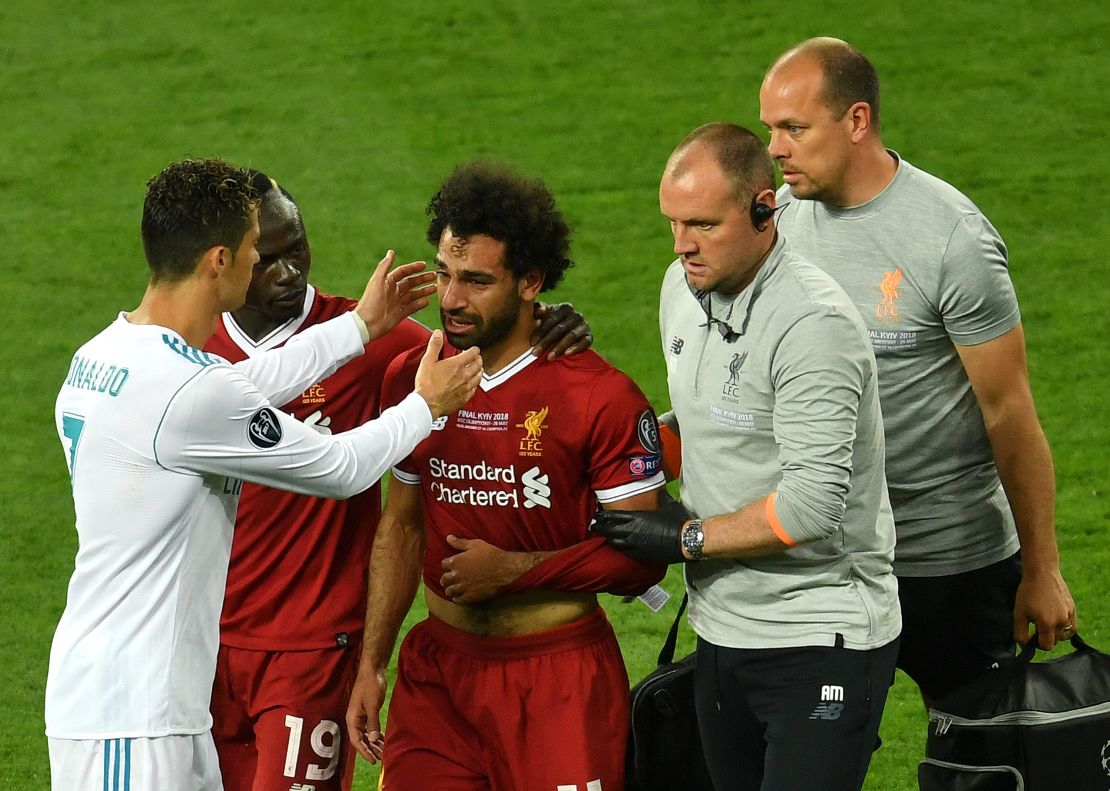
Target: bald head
column 740, row 153
column 848, row 76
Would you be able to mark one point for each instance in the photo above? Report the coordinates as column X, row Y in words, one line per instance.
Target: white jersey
column 159, row 437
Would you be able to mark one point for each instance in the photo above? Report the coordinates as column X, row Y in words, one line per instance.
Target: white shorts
column 181, row 763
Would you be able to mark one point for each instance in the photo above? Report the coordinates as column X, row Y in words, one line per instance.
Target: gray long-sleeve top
column 787, row 403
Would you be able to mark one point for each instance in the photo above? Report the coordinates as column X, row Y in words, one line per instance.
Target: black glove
column 647, row 536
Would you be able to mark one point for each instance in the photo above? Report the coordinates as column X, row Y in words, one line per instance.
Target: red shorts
column 545, row 711
column 279, row 718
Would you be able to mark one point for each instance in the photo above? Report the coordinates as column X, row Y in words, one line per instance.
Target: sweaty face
column 810, row 146
column 280, row 277
column 479, row 298
column 713, row 235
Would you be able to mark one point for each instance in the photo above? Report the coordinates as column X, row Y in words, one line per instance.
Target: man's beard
column 486, row 333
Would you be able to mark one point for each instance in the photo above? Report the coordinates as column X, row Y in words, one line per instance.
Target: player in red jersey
column 296, row 586
column 515, row 680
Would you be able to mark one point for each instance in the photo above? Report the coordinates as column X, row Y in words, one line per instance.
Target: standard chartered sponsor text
column 469, row 489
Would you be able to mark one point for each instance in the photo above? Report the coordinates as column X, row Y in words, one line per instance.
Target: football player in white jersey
column 159, row 436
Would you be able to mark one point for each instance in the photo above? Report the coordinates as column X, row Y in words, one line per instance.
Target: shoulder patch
column 264, row 430
column 647, row 431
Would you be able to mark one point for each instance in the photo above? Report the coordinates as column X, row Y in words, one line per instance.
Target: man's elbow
column 810, row 519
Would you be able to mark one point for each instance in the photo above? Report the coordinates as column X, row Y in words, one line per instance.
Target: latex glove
column 648, row 536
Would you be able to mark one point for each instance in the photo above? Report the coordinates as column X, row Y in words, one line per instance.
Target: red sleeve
column 624, row 452
column 590, row 567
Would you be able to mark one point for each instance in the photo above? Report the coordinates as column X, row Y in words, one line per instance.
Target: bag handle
column 666, row 654
column 1029, row 650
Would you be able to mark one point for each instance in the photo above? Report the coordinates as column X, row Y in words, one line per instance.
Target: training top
column 158, row 437
column 927, row 270
column 526, row 462
column 297, row 577
column 787, row 403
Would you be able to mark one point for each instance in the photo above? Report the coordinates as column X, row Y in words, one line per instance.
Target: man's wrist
column 692, row 539
column 363, row 330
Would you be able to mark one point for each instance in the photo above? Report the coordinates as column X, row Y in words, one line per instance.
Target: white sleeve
column 282, row 374
column 219, row 423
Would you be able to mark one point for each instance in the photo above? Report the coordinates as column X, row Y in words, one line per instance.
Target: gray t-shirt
column 926, row 270
column 788, row 405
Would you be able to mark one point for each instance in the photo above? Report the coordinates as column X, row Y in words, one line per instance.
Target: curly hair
column 488, row 199
column 191, row 207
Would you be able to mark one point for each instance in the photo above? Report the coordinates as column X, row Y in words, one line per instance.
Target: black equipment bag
column 1026, row 726
column 664, row 744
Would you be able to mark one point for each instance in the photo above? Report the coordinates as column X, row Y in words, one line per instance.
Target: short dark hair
column 191, row 207
column 849, row 75
column 263, row 184
column 490, row 199
column 740, row 152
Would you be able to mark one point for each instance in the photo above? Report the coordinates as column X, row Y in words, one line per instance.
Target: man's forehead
column 800, row 77
column 477, row 250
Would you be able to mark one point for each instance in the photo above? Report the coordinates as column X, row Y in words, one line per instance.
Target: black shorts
column 783, row 719
column 957, row 627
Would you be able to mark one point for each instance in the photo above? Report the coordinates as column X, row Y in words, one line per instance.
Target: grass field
column 360, row 109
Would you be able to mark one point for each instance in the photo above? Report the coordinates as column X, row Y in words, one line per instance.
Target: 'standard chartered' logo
column 264, row 430
column 533, row 426
column 887, row 309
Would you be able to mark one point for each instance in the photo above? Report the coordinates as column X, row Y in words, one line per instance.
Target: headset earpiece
column 761, row 214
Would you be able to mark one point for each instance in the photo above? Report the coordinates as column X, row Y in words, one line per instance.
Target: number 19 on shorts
column 325, row 744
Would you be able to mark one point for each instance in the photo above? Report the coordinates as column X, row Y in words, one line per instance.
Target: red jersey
column 297, row 578
column 524, row 464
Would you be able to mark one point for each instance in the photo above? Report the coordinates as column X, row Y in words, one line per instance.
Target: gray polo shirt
column 927, row 270
column 790, row 405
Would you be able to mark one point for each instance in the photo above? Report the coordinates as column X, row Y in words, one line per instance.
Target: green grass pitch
column 360, row 109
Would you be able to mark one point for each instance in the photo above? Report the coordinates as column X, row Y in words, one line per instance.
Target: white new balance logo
column 537, row 492
column 593, row 785
column 831, row 705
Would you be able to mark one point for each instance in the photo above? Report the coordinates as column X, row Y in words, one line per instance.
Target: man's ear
column 215, row 260
column 529, row 284
column 859, row 115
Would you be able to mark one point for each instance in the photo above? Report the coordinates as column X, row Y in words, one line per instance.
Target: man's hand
column 447, row 384
column 561, row 328
column 364, row 714
column 647, row 536
column 478, row 571
column 392, row 295
column 1044, row 600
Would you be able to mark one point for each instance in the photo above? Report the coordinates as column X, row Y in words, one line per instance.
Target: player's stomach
column 524, row 613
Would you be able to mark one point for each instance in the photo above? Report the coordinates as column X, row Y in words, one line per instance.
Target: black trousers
column 787, row 719
column 956, row 628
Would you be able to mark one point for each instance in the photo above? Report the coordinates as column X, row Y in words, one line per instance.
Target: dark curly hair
column 489, row 199
column 191, row 207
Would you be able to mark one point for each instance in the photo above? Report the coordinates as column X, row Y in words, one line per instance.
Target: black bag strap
column 666, row 654
column 1030, row 648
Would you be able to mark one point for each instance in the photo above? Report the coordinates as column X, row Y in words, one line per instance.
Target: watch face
column 693, row 539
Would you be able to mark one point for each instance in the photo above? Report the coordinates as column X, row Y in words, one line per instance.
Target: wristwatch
column 693, row 539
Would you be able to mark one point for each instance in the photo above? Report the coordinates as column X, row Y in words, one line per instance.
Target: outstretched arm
column 394, row 577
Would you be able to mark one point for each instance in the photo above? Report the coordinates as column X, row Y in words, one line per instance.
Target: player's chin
column 462, row 341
